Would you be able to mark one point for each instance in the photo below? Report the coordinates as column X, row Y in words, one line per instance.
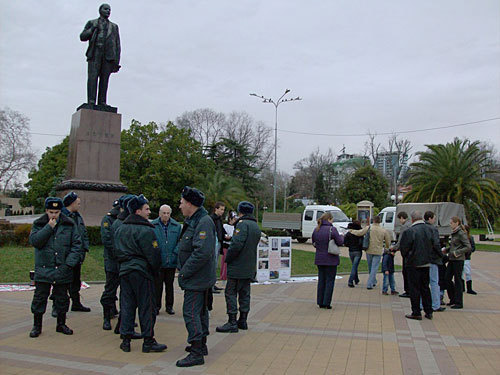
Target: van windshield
column 339, row 216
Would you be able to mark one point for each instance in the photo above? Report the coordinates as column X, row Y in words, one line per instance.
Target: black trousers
column 237, row 290
column 76, row 283
column 59, row 295
column 455, row 288
column 137, row 292
column 166, row 276
column 418, row 282
column 108, row 297
column 406, row 285
column 98, row 69
column 195, row 313
column 326, row 283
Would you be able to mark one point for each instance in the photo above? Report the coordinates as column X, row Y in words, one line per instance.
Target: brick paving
column 365, row 333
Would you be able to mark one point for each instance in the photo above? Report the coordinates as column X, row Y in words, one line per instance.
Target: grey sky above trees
column 359, row 66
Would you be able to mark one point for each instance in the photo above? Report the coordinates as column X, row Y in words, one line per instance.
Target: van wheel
column 301, row 239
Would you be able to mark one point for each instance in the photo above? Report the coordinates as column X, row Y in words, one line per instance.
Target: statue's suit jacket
column 112, row 47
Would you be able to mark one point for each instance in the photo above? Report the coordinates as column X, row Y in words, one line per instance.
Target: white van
column 387, row 219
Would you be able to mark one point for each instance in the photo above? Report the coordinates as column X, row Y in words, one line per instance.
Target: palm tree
column 454, row 172
column 220, row 187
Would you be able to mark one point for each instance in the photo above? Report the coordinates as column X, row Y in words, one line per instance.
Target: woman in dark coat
column 326, row 263
column 355, row 245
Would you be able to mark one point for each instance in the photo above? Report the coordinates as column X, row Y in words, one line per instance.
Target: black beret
column 136, row 202
column 193, row 196
column 69, row 198
column 246, row 207
column 53, row 203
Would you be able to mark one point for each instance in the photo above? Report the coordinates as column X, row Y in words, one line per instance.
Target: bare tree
column 308, row 170
column 372, row 147
column 16, row 155
column 206, row 125
column 402, row 147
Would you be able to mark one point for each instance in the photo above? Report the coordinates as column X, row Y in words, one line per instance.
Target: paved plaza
column 365, row 333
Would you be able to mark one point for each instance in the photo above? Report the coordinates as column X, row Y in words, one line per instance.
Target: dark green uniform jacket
column 110, row 262
column 197, row 252
column 137, row 247
column 57, row 250
column 82, row 230
column 241, row 257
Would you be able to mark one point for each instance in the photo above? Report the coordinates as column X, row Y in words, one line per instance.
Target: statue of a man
column 103, row 54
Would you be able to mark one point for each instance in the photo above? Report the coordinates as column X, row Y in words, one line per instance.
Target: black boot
column 114, row 311
column 194, row 358
column 230, row 326
column 37, row 325
column 469, row 288
column 125, row 345
column 204, row 347
column 77, row 305
column 106, row 324
column 150, row 345
column 61, row 324
column 242, row 321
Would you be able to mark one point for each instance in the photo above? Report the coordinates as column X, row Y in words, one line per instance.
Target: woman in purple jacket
column 327, row 263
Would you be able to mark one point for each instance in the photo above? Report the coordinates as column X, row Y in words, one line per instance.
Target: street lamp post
column 276, row 104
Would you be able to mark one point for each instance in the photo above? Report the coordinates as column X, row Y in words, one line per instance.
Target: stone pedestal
column 93, row 170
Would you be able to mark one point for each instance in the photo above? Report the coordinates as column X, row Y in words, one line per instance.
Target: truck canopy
column 443, row 211
column 292, row 221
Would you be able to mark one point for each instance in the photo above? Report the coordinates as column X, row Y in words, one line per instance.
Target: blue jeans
column 389, row 281
column 326, row 283
column 355, row 259
column 373, row 263
column 434, row 284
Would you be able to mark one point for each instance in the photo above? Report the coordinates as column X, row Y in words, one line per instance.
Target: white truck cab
column 387, row 219
column 313, row 212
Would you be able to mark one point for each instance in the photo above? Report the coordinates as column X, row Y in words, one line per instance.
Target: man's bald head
column 164, row 213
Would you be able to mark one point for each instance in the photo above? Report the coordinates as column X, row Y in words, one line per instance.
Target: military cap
column 122, row 200
column 246, row 207
column 69, row 198
column 53, row 203
column 193, row 196
column 136, row 202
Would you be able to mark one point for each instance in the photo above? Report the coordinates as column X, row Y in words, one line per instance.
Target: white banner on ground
column 274, row 259
column 24, row 288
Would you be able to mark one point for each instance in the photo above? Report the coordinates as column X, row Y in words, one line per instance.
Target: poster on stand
column 274, row 259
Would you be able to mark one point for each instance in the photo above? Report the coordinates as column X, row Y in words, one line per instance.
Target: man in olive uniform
column 139, row 257
column 197, row 272
column 57, row 250
column 71, row 203
column 108, row 298
column 241, row 259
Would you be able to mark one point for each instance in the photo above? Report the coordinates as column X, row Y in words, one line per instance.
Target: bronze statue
column 103, row 54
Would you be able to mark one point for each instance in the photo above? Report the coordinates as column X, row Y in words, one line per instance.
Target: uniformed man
column 72, row 203
column 139, row 257
column 241, row 259
column 57, row 250
column 197, row 272
column 108, row 298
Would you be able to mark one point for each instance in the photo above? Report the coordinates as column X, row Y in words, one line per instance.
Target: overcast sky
column 379, row 66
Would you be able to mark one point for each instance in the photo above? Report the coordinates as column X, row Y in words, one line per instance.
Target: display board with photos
column 274, row 259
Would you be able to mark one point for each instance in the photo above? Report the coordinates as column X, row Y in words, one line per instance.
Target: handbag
column 366, row 240
column 332, row 246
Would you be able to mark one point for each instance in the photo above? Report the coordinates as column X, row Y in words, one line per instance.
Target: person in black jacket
column 467, row 267
column 216, row 216
column 241, row 259
column 71, row 203
column 196, row 273
column 139, row 257
column 108, row 298
column 416, row 245
column 354, row 243
column 436, row 263
column 57, row 245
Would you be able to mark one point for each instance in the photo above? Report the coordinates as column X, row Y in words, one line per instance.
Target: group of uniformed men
column 140, row 256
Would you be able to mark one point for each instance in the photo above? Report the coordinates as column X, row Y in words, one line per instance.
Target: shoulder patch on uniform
column 203, row 235
column 236, row 231
column 105, row 224
column 155, row 244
